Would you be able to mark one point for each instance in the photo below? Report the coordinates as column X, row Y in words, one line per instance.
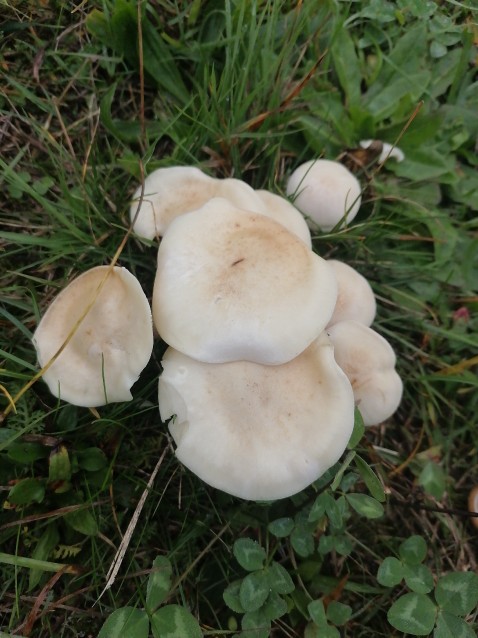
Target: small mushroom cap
column 282, row 211
column 169, row 192
column 368, row 360
column 234, row 285
column 389, row 151
column 355, row 298
column 258, row 432
column 110, row 347
column 326, row 192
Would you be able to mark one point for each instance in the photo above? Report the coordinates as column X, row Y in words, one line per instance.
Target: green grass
column 246, row 89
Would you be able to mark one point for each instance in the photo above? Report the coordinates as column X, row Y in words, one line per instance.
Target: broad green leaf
column 254, row 590
column 450, row 626
column 47, row 541
column 92, row 459
column 336, row 512
column 59, row 466
column 29, row 490
column 174, row 621
column 274, row 607
column 159, row 582
column 82, row 521
column 457, row 592
column 126, row 622
column 279, row 579
column 232, row 598
column 338, row 613
column 365, row 505
column 419, row 578
column 413, row 550
column 324, row 631
column 318, row 509
column 281, row 527
column 317, row 613
column 249, row 554
column 433, row 479
column 27, row 452
column 302, row 541
column 413, row 614
column 370, row 479
column 390, row 572
column 255, row 625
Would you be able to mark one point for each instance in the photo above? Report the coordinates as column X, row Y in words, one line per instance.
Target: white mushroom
column 389, row 151
column 326, row 192
column 282, row 211
column 234, row 285
column 169, row 192
column 258, row 432
column 109, row 348
column 173, row 191
column 368, row 360
column 355, row 298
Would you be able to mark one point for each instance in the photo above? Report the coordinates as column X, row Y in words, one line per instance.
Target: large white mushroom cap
column 368, row 360
column 326, row 192
column 355, row 299
column 258, row 432
column 282, row 211
column 110, row 347
column 169, row 192
column 234, row 285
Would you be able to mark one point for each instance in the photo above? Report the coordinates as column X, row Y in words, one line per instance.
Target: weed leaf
column 126, row 622
column 174, row 621
column 413, row 614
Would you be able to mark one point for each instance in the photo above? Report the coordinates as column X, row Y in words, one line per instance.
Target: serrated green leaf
column 365, row 505
column 458, row 592
column 231, row 596
column 29, row 490
column 281, row 527
column 159, row 582
column 126, row 622
column 274, row 607
column 413, row 614
column 249, row 554
column 174, row 621
column 419, row 578
column 254, row 590
column 450, row 626
column 390, row 572
column 279, row 579
column 413, row 550
column 370, row 479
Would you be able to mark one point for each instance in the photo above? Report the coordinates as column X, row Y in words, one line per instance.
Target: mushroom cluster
column 270, row 345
